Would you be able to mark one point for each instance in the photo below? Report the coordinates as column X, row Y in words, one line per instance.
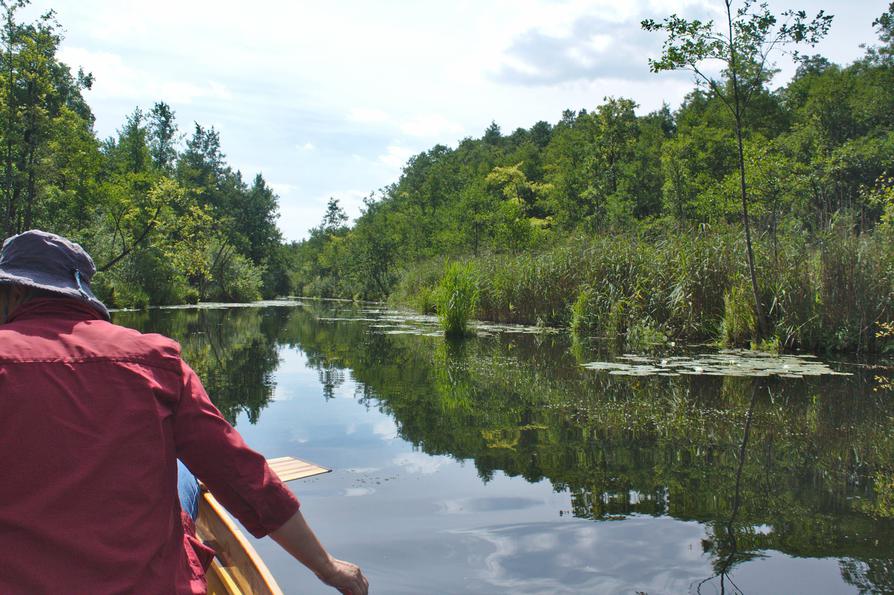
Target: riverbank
column 830, row 293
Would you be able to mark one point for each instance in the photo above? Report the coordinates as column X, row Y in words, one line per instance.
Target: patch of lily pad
column 280, row 303
column 395, row 322
column 726, row 362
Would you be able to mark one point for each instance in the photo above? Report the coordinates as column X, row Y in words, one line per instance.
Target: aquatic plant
column 457, row 298
column 738, row 325
column 579, row 310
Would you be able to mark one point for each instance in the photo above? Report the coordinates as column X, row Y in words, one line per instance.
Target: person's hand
column 345, row 577
column 297, row 538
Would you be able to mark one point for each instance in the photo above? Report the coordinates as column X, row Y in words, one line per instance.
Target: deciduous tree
column 744, row 44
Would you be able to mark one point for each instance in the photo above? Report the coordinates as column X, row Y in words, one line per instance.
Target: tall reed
column 826, row 294
column 457, row 298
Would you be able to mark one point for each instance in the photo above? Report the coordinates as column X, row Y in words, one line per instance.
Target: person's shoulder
column 127, row 342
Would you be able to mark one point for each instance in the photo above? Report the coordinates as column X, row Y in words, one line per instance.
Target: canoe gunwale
column 237, row 568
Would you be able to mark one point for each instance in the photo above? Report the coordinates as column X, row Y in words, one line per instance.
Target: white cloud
column 308, row 146
column 577, row 558
column 297, row 214
column 281, row 393
column 367, row 115
column 349, row 200
column 363, row 470
column 395, row 156
column 431, row 126
column 356, row 492
column 115, row 79
column 112, row 77
column 282, row 188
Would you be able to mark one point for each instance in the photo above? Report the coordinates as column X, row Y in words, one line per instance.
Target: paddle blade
column 289, row 468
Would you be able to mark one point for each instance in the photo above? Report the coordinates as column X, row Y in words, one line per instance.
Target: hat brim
column 83, row 293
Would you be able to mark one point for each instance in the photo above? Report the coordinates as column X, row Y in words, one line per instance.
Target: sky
column 330, row 98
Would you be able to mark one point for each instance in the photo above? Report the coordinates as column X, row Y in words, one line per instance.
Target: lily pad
column 727, row 362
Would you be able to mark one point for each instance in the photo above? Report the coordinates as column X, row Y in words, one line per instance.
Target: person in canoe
column 93, row 418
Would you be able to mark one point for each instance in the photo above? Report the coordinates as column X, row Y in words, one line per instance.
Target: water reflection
column 726, row 549
column 711, row 477
column 598, row 558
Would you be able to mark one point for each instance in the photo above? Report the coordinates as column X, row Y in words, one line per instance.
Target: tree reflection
column 726, row 550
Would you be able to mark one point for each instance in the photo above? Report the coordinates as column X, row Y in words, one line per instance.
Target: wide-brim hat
column 50, row 262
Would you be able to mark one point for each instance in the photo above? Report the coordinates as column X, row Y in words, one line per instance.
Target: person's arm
column 242, row 481
column 297, row 538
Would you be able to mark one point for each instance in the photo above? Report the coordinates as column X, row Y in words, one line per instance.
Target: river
column 522, row 461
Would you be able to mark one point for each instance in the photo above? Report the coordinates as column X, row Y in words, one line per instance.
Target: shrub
column 237, row 280
column 645, row 335
column 144, row 277
column 855, row 289
column 417, row 286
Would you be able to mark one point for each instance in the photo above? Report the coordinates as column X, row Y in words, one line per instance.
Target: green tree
column 132, row 204
column 374, row 248
column 565, row 168
column 477, row 215
column 884, row 26
column 37, row 92
column 515, row 223
column 335, row 218
column 202, row 167
column 611, row 160
column 255, row 216
column 493, row 135
column 163, row 137
column 744, row 46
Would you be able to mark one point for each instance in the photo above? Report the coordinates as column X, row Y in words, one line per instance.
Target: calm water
column 502, row 465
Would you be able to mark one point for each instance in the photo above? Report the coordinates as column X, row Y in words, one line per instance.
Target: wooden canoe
column 237, row 568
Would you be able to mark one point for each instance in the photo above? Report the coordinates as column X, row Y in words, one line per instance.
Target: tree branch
column 150, row 225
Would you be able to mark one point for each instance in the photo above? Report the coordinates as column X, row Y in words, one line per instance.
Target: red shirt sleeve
column 237, row 476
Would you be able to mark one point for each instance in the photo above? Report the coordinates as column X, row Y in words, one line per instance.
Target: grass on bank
column 832, row 293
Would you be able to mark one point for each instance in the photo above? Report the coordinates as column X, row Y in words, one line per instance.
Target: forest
column 611, row 222
column 629, row 226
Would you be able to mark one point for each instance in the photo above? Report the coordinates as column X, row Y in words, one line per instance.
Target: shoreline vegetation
column 611, row 222
column 666, row 286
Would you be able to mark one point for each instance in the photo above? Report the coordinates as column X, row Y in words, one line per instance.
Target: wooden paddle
column 289, row 468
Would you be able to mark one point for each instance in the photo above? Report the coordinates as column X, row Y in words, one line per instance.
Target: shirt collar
column 62, row 307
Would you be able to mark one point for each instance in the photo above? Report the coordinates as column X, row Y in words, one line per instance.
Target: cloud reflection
column 385, row 429
column 417, row 462
column 354, row 492
column 492, row 504
column 604, row 557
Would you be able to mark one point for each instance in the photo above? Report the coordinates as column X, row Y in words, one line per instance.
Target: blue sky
column 330, row 98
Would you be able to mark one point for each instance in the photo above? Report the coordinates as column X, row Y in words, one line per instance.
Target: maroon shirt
column 92, row 419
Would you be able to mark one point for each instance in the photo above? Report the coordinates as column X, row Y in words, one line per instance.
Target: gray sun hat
column 46, row 261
